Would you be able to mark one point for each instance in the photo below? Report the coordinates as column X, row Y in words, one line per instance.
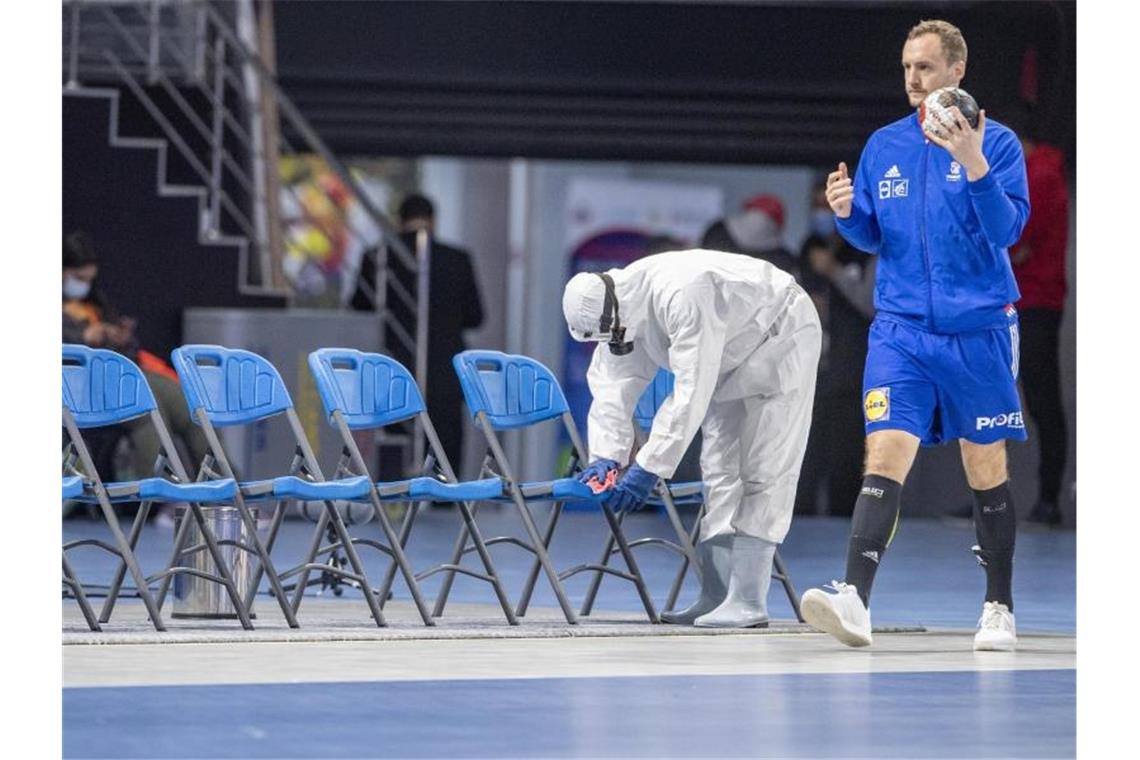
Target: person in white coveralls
column 742, row 340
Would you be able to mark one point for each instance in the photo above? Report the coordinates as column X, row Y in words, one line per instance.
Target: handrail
column 196, row 121
column 302, row 125
column 180, row 49
column 176, row 140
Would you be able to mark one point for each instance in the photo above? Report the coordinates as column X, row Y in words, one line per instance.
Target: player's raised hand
column 961, row 141
column 840, row 191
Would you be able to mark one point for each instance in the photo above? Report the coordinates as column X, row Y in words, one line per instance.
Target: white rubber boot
column 746, row 604
column 713, row 554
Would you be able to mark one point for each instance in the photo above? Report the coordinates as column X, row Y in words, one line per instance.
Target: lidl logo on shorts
column 1012, row 420
column 877, row 404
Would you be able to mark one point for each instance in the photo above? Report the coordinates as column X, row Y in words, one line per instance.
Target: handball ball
column 938, row 103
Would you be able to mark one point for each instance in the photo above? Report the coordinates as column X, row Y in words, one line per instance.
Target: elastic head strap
column 611, row 318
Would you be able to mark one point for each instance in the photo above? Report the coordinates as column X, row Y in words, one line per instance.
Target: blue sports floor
column 787, row 695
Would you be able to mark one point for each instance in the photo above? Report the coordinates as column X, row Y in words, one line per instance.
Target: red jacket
column 1041, row 277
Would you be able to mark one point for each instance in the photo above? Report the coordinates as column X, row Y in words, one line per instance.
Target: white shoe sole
column 820, row 615
column 995, row 646
column 749, row 623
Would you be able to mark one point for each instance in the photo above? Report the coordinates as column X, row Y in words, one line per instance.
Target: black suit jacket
column 454, row 305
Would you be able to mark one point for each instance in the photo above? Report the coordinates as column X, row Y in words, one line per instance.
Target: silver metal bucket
column 196, row 597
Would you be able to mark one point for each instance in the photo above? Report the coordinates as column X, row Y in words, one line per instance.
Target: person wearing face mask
column 756, row 230
column 742, row 339
column 842, row 281
column 90, row 319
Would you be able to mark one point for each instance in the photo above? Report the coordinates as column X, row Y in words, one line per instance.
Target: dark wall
column 739, row 82
column 151, row 264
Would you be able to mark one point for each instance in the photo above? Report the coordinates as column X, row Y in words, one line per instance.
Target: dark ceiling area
column 775, row 83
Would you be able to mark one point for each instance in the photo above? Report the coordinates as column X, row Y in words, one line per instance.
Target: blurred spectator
column 454, row 305
column 757, row 230
column 841, row 281
column 88, row 318
column 1039, row 266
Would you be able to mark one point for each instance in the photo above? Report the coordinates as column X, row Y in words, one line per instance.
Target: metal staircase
column 221, row 123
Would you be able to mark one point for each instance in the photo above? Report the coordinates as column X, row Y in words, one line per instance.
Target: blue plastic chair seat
column 72, row 487
column 430, row 489
column 292, row 487
column 160, row 489
column 563, row 489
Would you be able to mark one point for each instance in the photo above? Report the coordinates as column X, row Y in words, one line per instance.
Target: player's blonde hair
column 953, row 43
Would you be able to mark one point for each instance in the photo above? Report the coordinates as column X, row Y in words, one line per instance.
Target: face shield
column 590, row 306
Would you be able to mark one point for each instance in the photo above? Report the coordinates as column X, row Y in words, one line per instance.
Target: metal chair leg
column 532, row 577
column 405, row 531
column 789, row 589
column 76, row 587
column 596, row 581
column 121, row 570
column 631, row 563
column 128, row 557
column 543, row 558
column 485, row 556
column 250, row 524
column 449, row 575
column 679, row 579
column 401, row 559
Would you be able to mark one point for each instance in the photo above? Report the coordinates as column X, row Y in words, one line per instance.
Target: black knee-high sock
column 872, row 528
column 996, row 526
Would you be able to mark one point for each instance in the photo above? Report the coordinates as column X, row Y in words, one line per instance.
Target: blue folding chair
column 672, row 495
column 665, row 495
column 507, row 392
column 102, row 388
column 365, row 391
column 224, row 387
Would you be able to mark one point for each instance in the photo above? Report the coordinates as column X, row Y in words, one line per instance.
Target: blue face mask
column 822, row 222
column 75, row 288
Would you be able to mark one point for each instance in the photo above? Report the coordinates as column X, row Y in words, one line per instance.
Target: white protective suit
column 743, row 341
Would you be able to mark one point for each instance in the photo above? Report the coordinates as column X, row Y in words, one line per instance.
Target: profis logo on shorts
column 877, row 404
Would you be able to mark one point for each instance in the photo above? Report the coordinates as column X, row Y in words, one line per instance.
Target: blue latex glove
column 632, row 490
column 599, row 469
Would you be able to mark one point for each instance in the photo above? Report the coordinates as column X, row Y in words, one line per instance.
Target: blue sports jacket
column 942, row 240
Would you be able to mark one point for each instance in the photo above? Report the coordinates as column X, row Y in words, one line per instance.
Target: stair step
column 182, row 191
column 150, row 143
column 90, row 92
column 214, row 239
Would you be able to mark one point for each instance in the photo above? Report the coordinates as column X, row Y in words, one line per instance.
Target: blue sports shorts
column 943, row 387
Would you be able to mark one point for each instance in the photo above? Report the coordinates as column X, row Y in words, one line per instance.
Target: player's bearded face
column 925, row 68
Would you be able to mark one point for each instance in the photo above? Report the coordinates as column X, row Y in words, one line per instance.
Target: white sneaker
column 996, row 629
column 841, row 614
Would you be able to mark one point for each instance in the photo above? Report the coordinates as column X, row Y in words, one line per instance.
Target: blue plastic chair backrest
column 101, row 387
column 233, row 386
column 652, row 399
column 370, row 390
column 514, row 391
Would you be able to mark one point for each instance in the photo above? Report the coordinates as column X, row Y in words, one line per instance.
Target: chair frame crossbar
column 539, row 542
column 169, row 465
column 436, row 463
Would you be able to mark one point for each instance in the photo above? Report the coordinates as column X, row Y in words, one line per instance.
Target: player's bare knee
column 890, row 454
column 985, row 465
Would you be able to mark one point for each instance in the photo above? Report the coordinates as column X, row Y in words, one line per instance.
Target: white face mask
column 75, row 288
